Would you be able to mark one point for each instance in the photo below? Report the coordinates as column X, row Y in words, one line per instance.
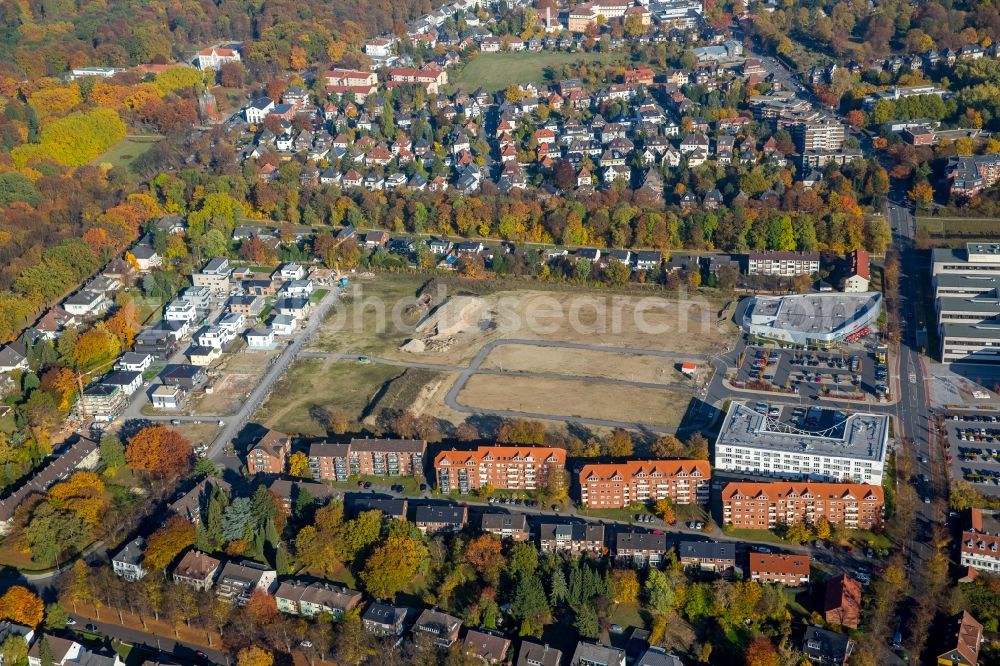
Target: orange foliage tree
column 166, row 543
column 21, row 605
column 761, row 652
column 83, row 494
column 160, row 450
column 124, row 323
column 60, row 382
column 95, row 348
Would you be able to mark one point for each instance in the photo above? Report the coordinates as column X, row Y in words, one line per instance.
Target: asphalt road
column 186, row 651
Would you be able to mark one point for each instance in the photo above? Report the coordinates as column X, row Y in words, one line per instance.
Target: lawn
column 959, row 227
column 411, row 486
column 318, row 295
column 494, row 71
column 346, row 386
column 123, row 153
column 756, row 535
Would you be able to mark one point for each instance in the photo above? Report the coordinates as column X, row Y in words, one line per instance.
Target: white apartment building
column 180, row 310
column 980, row 546
column 782, row 264
column 840, row 447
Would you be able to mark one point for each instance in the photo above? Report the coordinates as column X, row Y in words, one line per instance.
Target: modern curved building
column 811, row 318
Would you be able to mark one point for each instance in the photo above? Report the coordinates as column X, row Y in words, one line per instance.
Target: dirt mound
column 456, row 315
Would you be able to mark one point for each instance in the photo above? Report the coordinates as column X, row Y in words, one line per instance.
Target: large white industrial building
column 811, row 318
column 967, row 300
column 841, row 447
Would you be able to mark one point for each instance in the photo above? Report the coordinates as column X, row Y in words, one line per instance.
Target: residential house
column 168, row 398
column 283, row 324
column 648, row 260
column 238, row 581
column 128, row 381
column 256, row 111
column 719, row 557
column 391, row 508
column 270, row 454
column 86, row 303
column 858, row 273
column 13, row 356
column 595, row 654
column 127, row 562
column 214, row 275
column 963, row 637
column 537, row 654
column 133, row 362
column 505, row 525
column 488, row 648
column 192, row 504
column 842, row 603
column 187, row 377
column 248, row 306
column 657, row 656
column 146, row 258
column 442, row 628
column 575, row 538
column 789, row 570
column 435, row 519
column 385, row 619
column 823, row 646
column 260, row 339
column 197, row 570
column 640, row 548
column 980, row 541
column 782, row 264
column 203, row 356
column 313, row 599
column 64, row 652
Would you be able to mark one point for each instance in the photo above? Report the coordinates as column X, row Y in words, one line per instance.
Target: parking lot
column 856, row 372
column 974, row 449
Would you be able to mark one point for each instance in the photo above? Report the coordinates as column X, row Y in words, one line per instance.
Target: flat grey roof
column 861, row 436
column 971, row 331
column 812, row 313
column 970, row 304
column 972, row 282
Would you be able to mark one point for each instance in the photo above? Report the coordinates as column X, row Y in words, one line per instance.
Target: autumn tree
column 521, row 431
column 667, row 446
column 298, row 465
column 254, row 656
column 95, row 348
column 485, row 556
column 664, row 508
column 83, row 494
column 159, row 450
column 624, row 585
column 761, row 652
column 392, row 565
column 166, row 543
column 21, row 605
column 619, row 444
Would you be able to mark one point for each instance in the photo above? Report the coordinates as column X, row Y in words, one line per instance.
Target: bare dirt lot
column 232, row 381
column 585, row 363
column 575, row 398
column 452, row 322
column 429, row 322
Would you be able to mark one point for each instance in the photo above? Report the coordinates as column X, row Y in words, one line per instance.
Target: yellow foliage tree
column 57, row 101
column 298, row 465
column 254, row 656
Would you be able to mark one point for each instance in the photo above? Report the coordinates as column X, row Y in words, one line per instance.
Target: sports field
column 494, row 71
column 123, row 153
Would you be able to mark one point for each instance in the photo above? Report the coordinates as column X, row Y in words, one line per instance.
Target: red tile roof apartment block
column 268, row 456
column 789, row 570
column 962, row 638
column 843, row 602
column 502, row 467
column 763, row 506
column 980, row 546
column 369, row 457
column 619, row 485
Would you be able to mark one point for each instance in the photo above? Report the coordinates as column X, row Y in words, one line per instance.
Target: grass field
column 345, row 386
column 959, row 227
column 494, row 71
column 123, row 153
column 584, row 363
column 575, row 398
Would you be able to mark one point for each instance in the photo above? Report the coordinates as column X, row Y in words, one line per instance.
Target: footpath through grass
column 494, row 71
